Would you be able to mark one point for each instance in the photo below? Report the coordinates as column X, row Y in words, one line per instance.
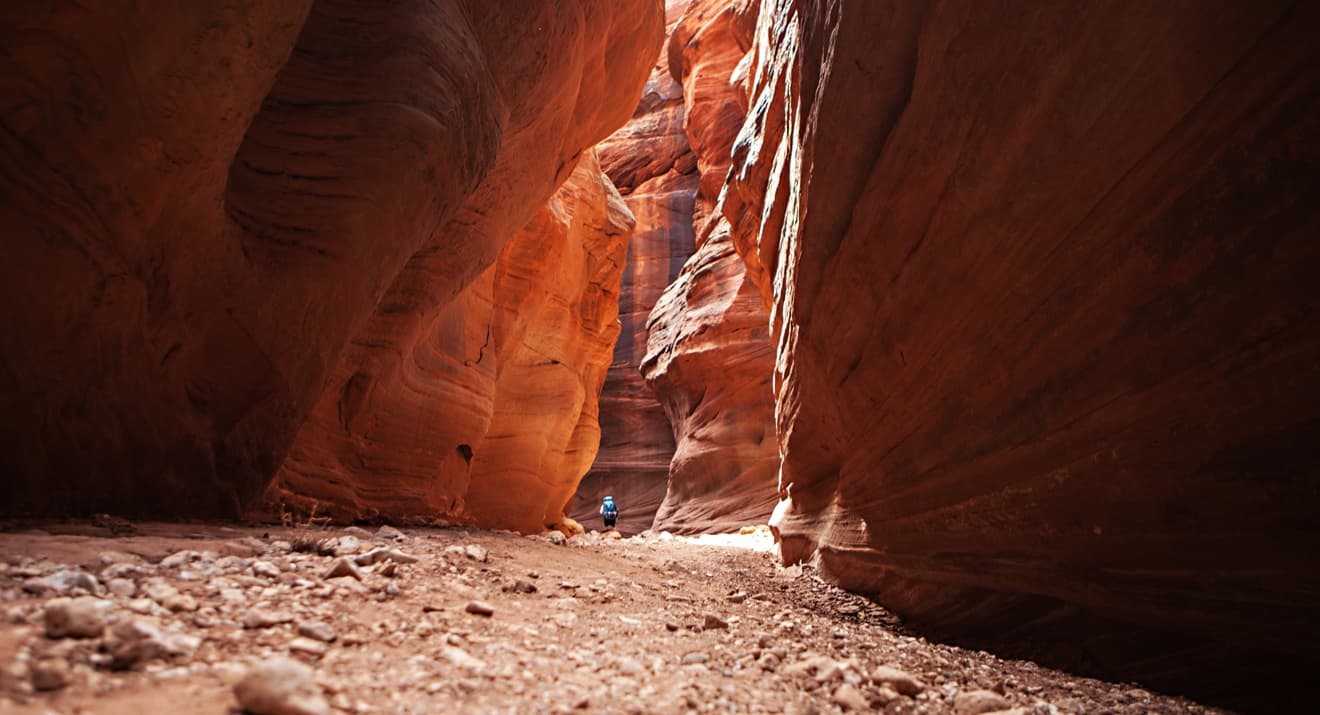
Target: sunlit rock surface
column 504, row 422
column 650, row 161
column 217, row 213
column 1044, row 310
column 709, row 357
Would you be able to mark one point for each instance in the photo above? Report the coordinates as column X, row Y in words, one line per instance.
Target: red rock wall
column 709, row 358
column 1045, row 322
column 650, row 161
column 212, row 210
column 510, row 370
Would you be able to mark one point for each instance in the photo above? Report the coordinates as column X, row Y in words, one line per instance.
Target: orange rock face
column 1044, row 307
column 709, row 358
column 202, row 217
column 504, row 421
column 650, row 161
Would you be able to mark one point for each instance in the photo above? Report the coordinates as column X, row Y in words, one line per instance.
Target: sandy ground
column 649, row 624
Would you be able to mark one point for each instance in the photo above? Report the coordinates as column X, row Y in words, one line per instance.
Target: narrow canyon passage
column 995, row 324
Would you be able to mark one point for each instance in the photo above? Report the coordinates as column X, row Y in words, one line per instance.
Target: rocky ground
column 111, row 617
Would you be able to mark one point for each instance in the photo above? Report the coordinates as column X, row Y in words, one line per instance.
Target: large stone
column 1043, row 284
column 280, row 686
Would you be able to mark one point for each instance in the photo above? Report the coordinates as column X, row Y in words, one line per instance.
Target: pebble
column 713, row 621
column 74, row 618
column 308, row 646
column 320, row 631
column 519, row 586
column 121, row 587
column 737, row 597
column 280, row 686
column 556, row 537
column 343, row 567
column 259, row 618
column 49, row 674
column 265, row 568
column 850, row 698
column 138, row 641
column 977, row 702
column 695, row 658
column 899, row 680
column 389, row 532
column 480, row 608
column 64, row 582
column 476, row 553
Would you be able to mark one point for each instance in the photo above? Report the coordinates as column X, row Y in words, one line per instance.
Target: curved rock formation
column 503, row 420
column 205, row 204
column 649, row 160
column 1046, row 345
column 709, row 358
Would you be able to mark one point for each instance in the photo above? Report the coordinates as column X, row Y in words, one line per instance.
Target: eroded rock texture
column 1046, row 345
column 206, row 203
column 503, row 422
column 650, row 161
column 709, row 358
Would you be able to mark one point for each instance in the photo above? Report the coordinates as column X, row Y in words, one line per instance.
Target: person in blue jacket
column 609, row 512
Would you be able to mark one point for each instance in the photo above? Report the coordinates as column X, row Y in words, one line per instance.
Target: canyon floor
column 172, row 617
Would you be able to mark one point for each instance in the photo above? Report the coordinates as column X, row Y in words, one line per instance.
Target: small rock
column 713, row 621
column 462, row 659
column 389, row 532
column 308, row 646
column 399, row 557
column 358, row 532
column 556, row 537
column 476, row 553
column 320, row 631
column 977, row 702
column 630, row 666
column 280, row 686
column 480, row 608
column 121, row 587
column 695, row 658
column 138, row 641
column 258, row 618
column 347, row 545
column 671, row 626
column 64, row 582
column 343, row 567
column 265, row 568
column 518, row 585
column 899, row 680
column 850, row 698
column 74, row 618
column 736, row 597
column 49, row 674
column 883, row 696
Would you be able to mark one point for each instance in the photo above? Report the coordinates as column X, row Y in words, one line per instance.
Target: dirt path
column 641, row 625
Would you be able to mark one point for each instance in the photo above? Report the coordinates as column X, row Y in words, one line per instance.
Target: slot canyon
column 942, row 357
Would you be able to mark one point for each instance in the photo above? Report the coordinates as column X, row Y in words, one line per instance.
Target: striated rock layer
column 709, row 357
column 649, row 160
column 504, row 421
column 1044, row 304
column 206, row 204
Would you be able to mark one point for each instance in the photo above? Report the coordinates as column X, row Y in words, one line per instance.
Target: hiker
column 609, row 512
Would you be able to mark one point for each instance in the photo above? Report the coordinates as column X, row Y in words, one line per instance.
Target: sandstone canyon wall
column 219, row 213
column 709, row 357
column 487, row 415
column 650, row 161
column 1043, row 282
